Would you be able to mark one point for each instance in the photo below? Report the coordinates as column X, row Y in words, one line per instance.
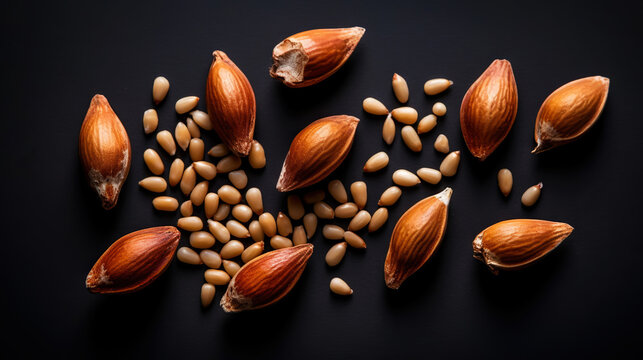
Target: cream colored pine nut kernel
column 376, row 162
column 255, row 200
column 229, row 194
column 323, row 210
column 188, row 180
column 255, row 230
column 284, row 226
column 268, row 224
column 439, row 109
column 390, row 196
column 154, row 184
column 231, row 249
column 257, row 156
column 280, row 242
column 436, row 86
column 150, row 121
column 182, row 135
column 238, row 179
column 176, row 172
column 202, row 119
column 242, row 212
column 165, row 203
column 531, row 195
column 346, row 211
column 188, row 256
column 222, row 212
column 219, row 150
column 231, row 267
column 406, row 178
column 197, row 196
column 411, row 138
column 314, row 196
column 228, row 163
column 190, row 223
column 220, row 232
column 237, row 229
column 186, row 208
column 359, row 194
column 406, row 115
column 299, row 235
column 340, row 287
column 196, row 149
column 205, row 169
column 201, row 240
column 210, row 204
column 337, row 190
column 336, row 253
column 252, row 251
column 360, row 220
column 432, row 176
column 449, row 165
column 427, row 123
column 207, row 294
column 505, row 181
column 193, row 128
column 295, row 207
column 378, row 219
column 400, row 88
column 217, row 277
column 166, row 141
column 374, row 106
column 210, row 258
column 333, row 232
column 185, row 104
column 388, row 130
column 310, row 224
column 160, row 88
column 441, row 144
column 354, row 240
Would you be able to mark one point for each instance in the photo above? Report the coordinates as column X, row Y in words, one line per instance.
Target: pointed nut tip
column 445, row 195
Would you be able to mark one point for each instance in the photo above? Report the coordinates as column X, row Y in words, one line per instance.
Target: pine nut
column 429, row 175
column 505, row 181
column 238, row 178
column 231, row 249
column 439, row 109
column 284, row 226
column 255, row 200
column 160, row 87
column 411, row 138
column 310, row 224
column 193, row 128
column 150, row 121
column 242, row 213
column 197, row 196
column 347, row 210
column 187, row 209
column 400, row 88
column 188, row 180
column 166, row 141
column 210, row 258
column 268, row 224
column 403, row 177
column 231, row 267
column 153, row 162
column 154, row 184
column 205, row 169
column 256, row 231
column 252, row 251
column 280, row 242
column 376, row 162
column 229, row 194
column 196, row 149
column 202, row 119
column 427, row 124
column 210, row 204
column 314, row 196
column 359, row 194
column 333, row 232
column 185, row 104
column 406, row 115
column 449, row 165
column 337, row 191
column 336, row 253
column 176, row 172
column 531, row 195
column 390, row 196
column 295, row 207
column 323, row 210
column 190, row 223
column 299, row 235
column 359, row 221
column 228, row 163
column 388, row 130
column 436, row 86
column 257, row 156
column 182, row 135
column 217, row 277
column 222, row 212
column 340, row 287
column 354, row 240
column 165, row 203
column 441, row 144
column 378, row 219
column 219, row 150
column 207, row 294
column 374, row 106
column 220, row 232
column 188, row 256
column 237, row 229
column 201, row 240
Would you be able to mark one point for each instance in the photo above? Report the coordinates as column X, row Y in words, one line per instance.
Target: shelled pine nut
column 406, row 178
column 400, row 88
column 441, row 144
column 314, row 196
column 229, row 194
column 197, row 196
column 153, row 162
column 176, row 172
column 359, row 194
column 242, row 213
column 231, row 267
column 376, row 162
column 188, row 256
column 188, row 180
column 505, row 181
column 237, row 229
column 166, row 141
column 210, row 204
column 252, row 251
column 284, row 225
column 354, row 240
column 231, row 249
column 256, row 231
column 160, row 88
column 390, row 196
column 388, row 130
column 427, row 123
column 374, row 106
column 190, row 223
column 219, row 150
column 268, row 224
column 360, row 220
column 238, row 179
column 333, row 232
column 182, row 136
column 436, row 86
column 295, row 207
column 197, row 149
column 337, row 190
column 165, row 203
column 154, row 184
column 531, row 195
column 202, row 119
column 207, row 294
column 222, row 212
column 449, row 165
column 378, row 219
column 299, row 235
column 323, row 210
column 186, row 208
column 310, row 224
column 340, row 287
column 228, row 163
column 217, row 277
column 201, row 240
column 406, row 115
column 193, row 128
column 210, row 258
column 411, row 138
column 346, row 210
column 255, row 200
column 336, row 253
column 205, row 169
column 439, row 109
column 432, row 176
column 280, row 242
column 257, row 156
column 220, row 232
column 185, row 104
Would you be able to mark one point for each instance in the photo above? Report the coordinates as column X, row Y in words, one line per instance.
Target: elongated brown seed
column 411, row 138
column 284, row 225
column 336, row 253
column 197, row 149
column 255, row 200
column 210, row 258
column 449, row 165
column 228, row 163
column 406, row 115
column 222, row 212
column 242, row 213
column 252, row 252
column 295, row 207
column 231, row 267
column 268, row 224
column 403, row 177
column 299, row 235
column 188, row 180
column 217, row 277
column 220, row 232
column 378, row 219
column 314, row 196
column 432, row 176
column 439, row 109
column 310, row 224
column 210, row 204
column 166, row 141
column 207, row 294
column 193, row 128
column 531, row 195
column 354, row 240
column 229, row 194
column 154, row 184
column 359, row 194
column 237, row 229
column 201, row 240
column 153, row 162
column 231, row 249
column 337, row 190
column 185, row 104
column 441, row 144
column 323, row 210
column 182, row 136
column 257, row 157
column 160, row 88
column 165, row 203
column 205, row 169
column 427, row 123
column 186, row 208
column 360, row 220
column 340, row 287
column 436, row 86
column 333, row 232
column 238, row 178
column 505, row 181
column 374, row 106
column 280, row 242
column 390, row 196
column 256, row 232
column 219, row 150
column 190, row 223
column 176, row 172
column 150, row 121
column 400, row 88
column 346, row 211
column 376, row 162
column 197, row 196
column 202, row 119
column 188, row 256
column 388, row 130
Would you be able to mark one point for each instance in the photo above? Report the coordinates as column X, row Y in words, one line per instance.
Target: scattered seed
column 531, row 195
column 403, row 177
column 378, row 219
column 295, row 207
column 237, row 229
column 340, row 287
column 333, row 232
column 268, row 224
column 257, row 156
column 207, row 294
column 229, row 194
column 210, row 204
column 280, row 242
column 201, row 240
column 238, row 178
column 406, row 115
column 376, row 162
column 310, row 224
column 193, row 128
column 359, row 221
column 388, row 130
column 196, row 149
column 183, row 105
column 400, row 88
column 337, row 191
column 176, row 172
column 182, row 135
column 160, row 87
column 210, row 258
column 323, row 210
column 436, row 86
column 390, row 196
column 150, row 121
column 252, row 251
column 354, row 240
column 220, row 232
column 411, row 138
column 202, row 119
column 231, row 249
column 217, row 277
column 188, row 256
column 219, row 150
column 505, row 181
column 347, row 210
column 336, row 253
column 242, row 213
column 197, row 196
column 165, row 203
column 154, row 184
column 228, row 163
column 427, row 123
column 188, row 180
column 284, row 226
column 190, row 223
column 449, row 165
column 432, row 176
column 222, row 212
column 153, row 162
column 205, row 169
column 231, row 267
column 374, row 106
column 359, row 194
column 439, row 109
column 299, row 235
column 256, row 231
column 186, row 208
column 255, row 200
column 166, row 140
column 314, row 196
column 441, row 144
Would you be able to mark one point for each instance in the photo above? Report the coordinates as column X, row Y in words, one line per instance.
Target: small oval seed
column 531, row 195
column 268, row 224
column 193, row 128
column 436, row 86
column 202, row 119
column 190, row 223
column 376, row 162
column 176, row 171
column 295, row 207
column 403, row 177
column 231, row 249
column 323, row 210
column 196, row 149
column 201, row 240
column 337, row 191
column 220, row 232
column 439, row 109
column 252, row 251
column 256, row 232
column 359, row 194
column 187, row 209
column 340, row 287
column 378, row 219
column 505, row 181
column 242, row 213
column 449, row 165
column 210, row 258
column 257, row 156
column 429, row 175
column 166, row 140
column 185, row 104
column 333, row 232
column 197, row 196
column 427, row 123
column 188, row 256
column 359, row 221
column 299, row 235
column 255, row 200
column 390, row 196
column 284, row 226
column 411, row 138
column 150, row 121
column 400, row 88
column 188, row 180
column 347, row 210
column 154, row 184
column 374, row 106
column 336, row 253
column 314, row 196
column 217, row 277
column 354, row 240
column 441, row 144
column 210, row 204
column 406, row 115
column 228, row 163
column 182, row 135
column 310, row 224
column 388, row 130
column 207, row 294
column 231, row 267
column 219, row 150
column 205, row 169
column 165, row 203
column 229, row 194
column 222, row 212
column 238, row 178
column 237, row 229
column 160, row 87
column 280, row 242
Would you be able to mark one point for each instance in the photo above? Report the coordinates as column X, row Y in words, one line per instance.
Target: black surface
column 584, row 300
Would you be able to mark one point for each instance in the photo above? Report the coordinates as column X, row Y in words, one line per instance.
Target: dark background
column 583, row 300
